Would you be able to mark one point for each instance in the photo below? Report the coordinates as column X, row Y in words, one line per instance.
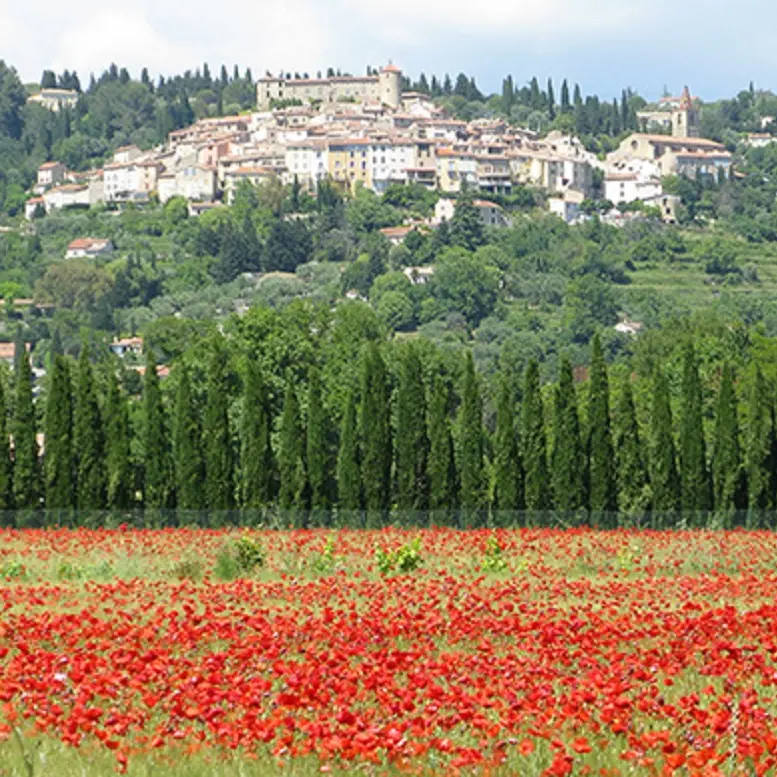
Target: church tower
column 685, row 118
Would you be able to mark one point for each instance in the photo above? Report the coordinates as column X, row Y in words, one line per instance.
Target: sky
column 715, row 46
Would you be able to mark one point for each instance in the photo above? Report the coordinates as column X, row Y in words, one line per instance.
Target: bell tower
column 685, row 118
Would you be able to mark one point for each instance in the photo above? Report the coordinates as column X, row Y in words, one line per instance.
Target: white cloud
column 120, row 35
column 420, row 21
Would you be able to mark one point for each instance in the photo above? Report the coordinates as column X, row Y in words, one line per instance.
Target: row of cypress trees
column 399, row 447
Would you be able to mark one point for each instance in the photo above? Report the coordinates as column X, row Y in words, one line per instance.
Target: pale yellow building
column 350, row 162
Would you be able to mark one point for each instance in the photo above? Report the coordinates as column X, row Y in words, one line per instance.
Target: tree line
column 409, row 447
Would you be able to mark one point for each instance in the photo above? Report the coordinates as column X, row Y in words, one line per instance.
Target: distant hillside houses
column 365, row 131
column 54, row 99
column 88, row 247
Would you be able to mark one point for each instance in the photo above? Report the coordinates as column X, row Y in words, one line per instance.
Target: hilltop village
column 368, row 131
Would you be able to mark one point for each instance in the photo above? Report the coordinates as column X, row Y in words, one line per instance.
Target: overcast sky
column 715, row 46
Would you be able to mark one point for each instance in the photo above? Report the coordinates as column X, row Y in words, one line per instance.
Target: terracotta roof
column 68, row 187
column 485, row 204
column 390, row 68
column 670, row 141
column 396, row 231
column 251, row 171
column 49, row 165
column 85, row 243
column 704, row 155
column 128, row 341
column 36, row 200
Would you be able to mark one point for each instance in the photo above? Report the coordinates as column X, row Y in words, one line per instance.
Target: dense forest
column 357, row 426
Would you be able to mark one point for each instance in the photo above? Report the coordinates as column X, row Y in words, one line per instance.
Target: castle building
column 385, row 88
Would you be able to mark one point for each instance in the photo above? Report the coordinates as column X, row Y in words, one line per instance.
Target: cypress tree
column 256, row 447
column 187, row 447
column 664, row 478
column 19, row 349
column 536, row 479
column 319, row 462
column 216, row 436
column 117, row 446
column 567, row 456
column 59, row 472
column 291, row 453
column 727, row 470
column 26, row 467
column 760, row 449
column 694, row 475
column 6, row 484
column 88, row 439
column 603, row 497
column 631, row 471
column 349, row 484
column 412, row 441
column 443, row 479
column 471, row 442
column 565, row 104
column 375, row 432
column 508, row 468
column 159, row 470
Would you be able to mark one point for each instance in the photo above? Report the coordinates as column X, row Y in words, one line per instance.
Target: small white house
column 419, row 276
column 31, row 206
column 125, row 345
column 566, row 207
column 759, row 139
column 491, row 214
column 88, row 247
column 49, row 174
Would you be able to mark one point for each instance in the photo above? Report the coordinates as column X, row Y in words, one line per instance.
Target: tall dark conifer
column 158, row 467
column 256, row 455
column 318, row 447
column 291, row 453
column 121, row 486
column 602, row 492
column 470, row 453
column 567, row 457
column 349, row 481
column 728, row 476
column 759, row 451
column 27, row 485
column 59, row 470
column 664, row 477
column 216, row 435
column 631, row 470
column 88, row 439
column 537, row 487
column 6, row 482
column 412, row 441
column 695, row 483
column 375, row 432
column 187, row 447
column 443, row 478
column 508, row 467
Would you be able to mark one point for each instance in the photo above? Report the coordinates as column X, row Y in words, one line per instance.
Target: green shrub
column 14, row 569
column 406, row 558
column 238, row 558
column 494, row 560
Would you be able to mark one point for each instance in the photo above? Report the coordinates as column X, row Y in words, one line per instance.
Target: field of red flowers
column 529, row 652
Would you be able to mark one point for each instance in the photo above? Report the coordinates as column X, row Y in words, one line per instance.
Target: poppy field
column 533, row 652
